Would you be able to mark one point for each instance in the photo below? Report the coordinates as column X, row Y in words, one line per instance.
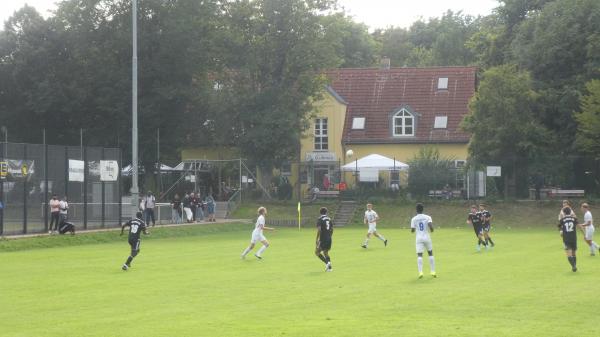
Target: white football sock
column 261, row 250
column 381, row 237
column 366, row 241
column 432, row 264
column 420, row 264
column 246, row 251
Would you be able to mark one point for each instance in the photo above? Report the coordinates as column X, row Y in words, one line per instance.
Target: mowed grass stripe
column 198, row 286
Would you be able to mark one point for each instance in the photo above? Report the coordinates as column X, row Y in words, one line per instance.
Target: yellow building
column 393, row 112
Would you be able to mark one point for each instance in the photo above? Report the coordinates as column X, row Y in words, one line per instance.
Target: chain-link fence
column 33, row 173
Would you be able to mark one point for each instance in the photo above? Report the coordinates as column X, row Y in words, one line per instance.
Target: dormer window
column 358, row 123
column 443, row 83
column 404, row 123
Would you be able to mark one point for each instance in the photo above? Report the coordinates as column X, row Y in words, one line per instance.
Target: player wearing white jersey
column 257, row 235
column 588, row 228
column 421, row 224
column 370, row 220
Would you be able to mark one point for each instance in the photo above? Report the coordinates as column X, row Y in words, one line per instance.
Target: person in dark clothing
column 568, row 230
column 324, row 236
column 136, row 227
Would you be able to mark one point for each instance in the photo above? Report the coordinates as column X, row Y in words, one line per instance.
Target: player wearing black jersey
column 567, row 227
column 486, row 218
column 324, row 233
column 136, row 226
column 475, row 220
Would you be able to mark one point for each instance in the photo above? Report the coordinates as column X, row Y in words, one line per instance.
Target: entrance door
column 318, row 174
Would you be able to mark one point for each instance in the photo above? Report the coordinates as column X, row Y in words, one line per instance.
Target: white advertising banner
column 109, row 170
column 369, row 175
column 76, row 170
column 494, row 171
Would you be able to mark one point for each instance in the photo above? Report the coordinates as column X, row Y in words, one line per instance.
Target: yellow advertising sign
column 3, row 169
column 24, row 170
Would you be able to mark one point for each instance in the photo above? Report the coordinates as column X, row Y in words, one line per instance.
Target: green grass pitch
column 197, row 285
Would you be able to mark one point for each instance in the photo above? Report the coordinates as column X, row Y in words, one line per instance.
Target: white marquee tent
column 375, row 162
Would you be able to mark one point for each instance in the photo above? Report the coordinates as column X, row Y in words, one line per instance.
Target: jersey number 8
column 421, row 226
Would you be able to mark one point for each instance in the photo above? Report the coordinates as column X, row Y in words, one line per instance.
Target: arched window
column 404, row 123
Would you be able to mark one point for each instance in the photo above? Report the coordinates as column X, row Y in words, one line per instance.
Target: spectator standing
column 199, row 208
column 186, row 208
column 176, row 209
column 54, row 213
column 149, row 204
column 63, row 210
column 210, row 206
column 326, row 182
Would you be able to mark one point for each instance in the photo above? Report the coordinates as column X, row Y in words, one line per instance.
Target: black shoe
column 364, row 246
column 385, row 243
column 574, row 269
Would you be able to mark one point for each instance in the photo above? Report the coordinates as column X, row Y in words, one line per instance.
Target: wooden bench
column 557, row 193
column 328, row 194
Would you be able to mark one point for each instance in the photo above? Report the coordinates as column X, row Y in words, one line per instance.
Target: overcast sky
column 374, row 13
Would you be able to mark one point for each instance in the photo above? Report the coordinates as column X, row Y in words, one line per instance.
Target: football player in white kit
column 257, row 235
column 370, row 219
column 588, row 228
column 422, row 224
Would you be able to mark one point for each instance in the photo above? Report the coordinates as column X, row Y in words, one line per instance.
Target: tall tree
column 503, row 127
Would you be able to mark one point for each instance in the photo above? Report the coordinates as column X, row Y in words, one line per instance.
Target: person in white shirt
column 257, row 235
column 149, row 203
column 421, row 224
column 370, row 219
column 588, row 228
column 63, row 210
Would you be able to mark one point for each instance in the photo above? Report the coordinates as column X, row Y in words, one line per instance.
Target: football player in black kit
column 324, row 233
column 476, row 220
column 136, row 226
column 486, row 217
column 568, row 230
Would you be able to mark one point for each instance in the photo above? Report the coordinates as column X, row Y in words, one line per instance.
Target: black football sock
column 129, row 259
column 571, row 261
column 322, row 258
column 574, row 261
column 327, row 259
column 492, row 242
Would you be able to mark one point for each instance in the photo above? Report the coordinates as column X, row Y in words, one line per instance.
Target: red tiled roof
column 376, row 94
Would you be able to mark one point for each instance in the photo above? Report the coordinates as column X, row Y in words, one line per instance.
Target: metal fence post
column 119, row 187
column 66, row 170
column 24, row 190
column 4, row 155
column 85, row 181
column 45, row 183
column 103, row 196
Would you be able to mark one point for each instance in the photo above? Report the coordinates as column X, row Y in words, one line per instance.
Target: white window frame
column 442, row 83
column 321, row 134
column 403, row 115
column 358, row 123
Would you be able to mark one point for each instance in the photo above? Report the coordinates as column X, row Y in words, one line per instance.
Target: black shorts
column 486, row 228
column 478, row 229
column 135, row 244
column 572, row 245
column 325, row 245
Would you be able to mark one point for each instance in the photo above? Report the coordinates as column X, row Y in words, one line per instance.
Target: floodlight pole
column 134, row 102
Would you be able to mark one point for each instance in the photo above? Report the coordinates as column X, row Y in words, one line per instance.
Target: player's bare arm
column 430, row 227
column 123, row 228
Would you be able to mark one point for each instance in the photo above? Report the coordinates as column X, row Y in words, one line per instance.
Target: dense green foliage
column 428, row 170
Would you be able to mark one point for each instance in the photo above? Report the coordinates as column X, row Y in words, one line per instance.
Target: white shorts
column 424, row 245
column 188, row 213
column 257, row 236
column 372, row 228
column 589, row 232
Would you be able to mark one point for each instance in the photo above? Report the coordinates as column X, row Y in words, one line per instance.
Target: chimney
column 385, row 63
